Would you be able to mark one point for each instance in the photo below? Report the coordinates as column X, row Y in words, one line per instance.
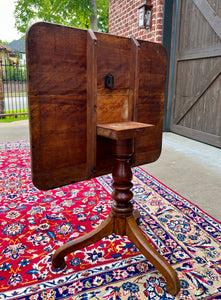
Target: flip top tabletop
column 78, row 79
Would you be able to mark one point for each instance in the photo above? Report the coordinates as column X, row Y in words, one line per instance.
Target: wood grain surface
column 66, row 68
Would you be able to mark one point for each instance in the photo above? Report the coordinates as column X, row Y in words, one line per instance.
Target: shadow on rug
column 35, row 223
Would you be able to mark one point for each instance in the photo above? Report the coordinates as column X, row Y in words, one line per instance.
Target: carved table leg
column 158, row 261
column 103, row 230
column 122, row 176
column 126, row 218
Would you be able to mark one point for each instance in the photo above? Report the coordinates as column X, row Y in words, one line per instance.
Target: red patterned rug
column 35, row 223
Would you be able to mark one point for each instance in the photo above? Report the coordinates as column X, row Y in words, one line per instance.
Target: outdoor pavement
column 190, row 168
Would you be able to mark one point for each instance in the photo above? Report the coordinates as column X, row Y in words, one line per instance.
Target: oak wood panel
column 57, row 60
column 66, row 103
column 150, row 104
column 62, row 139
column 57, row 90
column 114, row 56
column 112, row 109
column 134, row 78
column 123, row 130
column 91, row 102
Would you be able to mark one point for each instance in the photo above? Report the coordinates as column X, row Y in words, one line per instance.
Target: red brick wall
column 123, row 20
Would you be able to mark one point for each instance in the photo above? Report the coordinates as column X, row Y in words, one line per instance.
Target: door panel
column 196, row 92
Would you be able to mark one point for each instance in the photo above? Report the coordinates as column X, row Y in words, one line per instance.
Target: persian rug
column 34, row 224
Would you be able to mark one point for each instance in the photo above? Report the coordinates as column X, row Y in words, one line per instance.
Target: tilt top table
column 96, row 106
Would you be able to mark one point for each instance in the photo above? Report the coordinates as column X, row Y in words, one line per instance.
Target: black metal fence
column 13, row 89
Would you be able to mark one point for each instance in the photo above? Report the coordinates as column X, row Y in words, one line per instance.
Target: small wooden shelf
column 123, row 130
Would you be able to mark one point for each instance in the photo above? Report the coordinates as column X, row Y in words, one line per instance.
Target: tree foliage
column 76, row 13
column 14, row 73
column 4, row 42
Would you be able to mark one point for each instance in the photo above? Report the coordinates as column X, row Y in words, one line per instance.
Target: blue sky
column 7, row 21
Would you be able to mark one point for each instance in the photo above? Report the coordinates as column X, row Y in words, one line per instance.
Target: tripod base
column 123, row 219
column 121, row 225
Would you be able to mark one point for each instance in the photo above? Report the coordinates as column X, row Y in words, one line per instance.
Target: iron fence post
column 1, row 91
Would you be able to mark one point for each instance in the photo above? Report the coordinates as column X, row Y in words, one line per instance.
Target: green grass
column 7, row 119
column 15, row 94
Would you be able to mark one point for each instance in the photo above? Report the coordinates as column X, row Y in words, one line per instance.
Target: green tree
column 4, row 42
column 77, row 13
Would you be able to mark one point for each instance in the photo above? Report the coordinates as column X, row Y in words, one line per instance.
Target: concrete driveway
column 14, row 131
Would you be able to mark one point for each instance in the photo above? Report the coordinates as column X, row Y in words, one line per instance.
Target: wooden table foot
column 136, row 215
column 158, row 261
column 110, row 226
column 103, row 230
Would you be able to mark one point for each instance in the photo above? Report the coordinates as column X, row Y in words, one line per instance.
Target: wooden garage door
column 196, row 88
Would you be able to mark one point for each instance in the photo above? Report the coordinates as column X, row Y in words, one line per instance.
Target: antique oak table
column 96, row 106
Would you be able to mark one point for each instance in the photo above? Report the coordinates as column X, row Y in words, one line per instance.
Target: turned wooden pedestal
column 122, row 218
